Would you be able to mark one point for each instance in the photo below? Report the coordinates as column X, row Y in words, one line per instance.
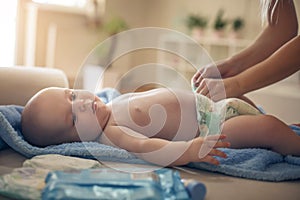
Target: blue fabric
column 295, row 128
column 107, row 94
column 9, row 116
column 259, row 164
column 255, row 163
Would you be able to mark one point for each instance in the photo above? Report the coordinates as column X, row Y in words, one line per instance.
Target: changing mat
column 259, row 164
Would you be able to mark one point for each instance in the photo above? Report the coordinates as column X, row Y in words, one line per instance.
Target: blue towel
column 259, row 164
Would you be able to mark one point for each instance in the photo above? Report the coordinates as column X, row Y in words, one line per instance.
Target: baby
column 162, row 126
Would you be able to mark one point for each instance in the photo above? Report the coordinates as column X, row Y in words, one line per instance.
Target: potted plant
column 196, row 24
column 115, row 25
column 112, row 27
column 220, row 23
column 237, row 24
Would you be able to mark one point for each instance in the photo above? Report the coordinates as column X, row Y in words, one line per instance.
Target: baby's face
column 76, row 115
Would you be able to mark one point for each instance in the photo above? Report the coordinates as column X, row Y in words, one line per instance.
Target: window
column 67, row 3
column 8, row 14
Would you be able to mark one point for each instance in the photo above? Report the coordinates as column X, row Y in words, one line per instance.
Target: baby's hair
column 268, row 8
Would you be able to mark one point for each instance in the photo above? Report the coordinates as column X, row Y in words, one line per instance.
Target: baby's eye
column 74, row 119
column 73, row 95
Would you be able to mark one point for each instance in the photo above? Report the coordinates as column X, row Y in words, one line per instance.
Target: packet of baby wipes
column 27, row 182
column 112, row 184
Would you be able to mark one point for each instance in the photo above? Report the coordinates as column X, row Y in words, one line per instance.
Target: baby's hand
column 204, row 149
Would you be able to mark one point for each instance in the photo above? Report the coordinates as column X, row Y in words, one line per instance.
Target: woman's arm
column 163, row 152
column 283, row 29
column 277, row 33
column 280, row 65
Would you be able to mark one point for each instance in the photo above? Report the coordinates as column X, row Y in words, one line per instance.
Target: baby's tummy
column 159, row 123
column 151, row 122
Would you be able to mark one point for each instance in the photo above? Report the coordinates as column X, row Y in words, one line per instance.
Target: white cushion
column 19, row 84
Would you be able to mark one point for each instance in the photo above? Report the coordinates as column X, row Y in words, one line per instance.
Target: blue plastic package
column 195, row 189
column 105, row 183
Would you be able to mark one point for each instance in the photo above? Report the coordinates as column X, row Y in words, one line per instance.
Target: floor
column 218, row 186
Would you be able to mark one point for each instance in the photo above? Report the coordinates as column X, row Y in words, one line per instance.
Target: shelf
column 215, row 48
column 224, row 41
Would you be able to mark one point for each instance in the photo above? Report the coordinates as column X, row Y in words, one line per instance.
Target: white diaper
column 211, row 115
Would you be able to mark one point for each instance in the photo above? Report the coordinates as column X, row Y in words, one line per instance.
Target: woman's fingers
column 202, row 88
column 201, row 74
column 196, row 76
column 212, row 88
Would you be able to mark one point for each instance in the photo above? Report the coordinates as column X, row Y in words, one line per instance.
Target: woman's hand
column 218, row 89
column 219, row 70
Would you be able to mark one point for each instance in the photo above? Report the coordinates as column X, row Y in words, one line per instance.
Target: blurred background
column 61, row 34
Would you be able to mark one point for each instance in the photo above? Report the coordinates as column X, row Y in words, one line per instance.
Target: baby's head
column 59, row 115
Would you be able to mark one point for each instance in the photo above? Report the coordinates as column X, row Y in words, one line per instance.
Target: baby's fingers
column 218, row 144
column 212, row 140
column 210, row 149
column 211, row 160
column 215, row 137
column 212, row 144
column 218, row 153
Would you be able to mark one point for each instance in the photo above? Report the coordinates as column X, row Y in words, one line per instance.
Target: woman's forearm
column 270, row 39
column 280, row 65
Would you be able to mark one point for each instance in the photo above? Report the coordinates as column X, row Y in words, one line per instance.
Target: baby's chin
column 102, row 113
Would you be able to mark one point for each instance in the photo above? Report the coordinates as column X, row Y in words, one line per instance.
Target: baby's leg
column 261, row 131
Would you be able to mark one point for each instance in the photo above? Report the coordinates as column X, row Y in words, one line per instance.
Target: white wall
column 75, row 38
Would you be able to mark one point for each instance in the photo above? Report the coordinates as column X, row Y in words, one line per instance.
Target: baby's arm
column 164, row 152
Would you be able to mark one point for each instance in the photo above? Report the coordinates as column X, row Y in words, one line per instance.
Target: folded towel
column 259, row 164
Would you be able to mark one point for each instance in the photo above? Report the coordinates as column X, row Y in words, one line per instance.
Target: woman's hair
column 268, row 8
column 268, row 11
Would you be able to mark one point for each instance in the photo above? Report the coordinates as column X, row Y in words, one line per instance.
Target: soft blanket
column 259, row 164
